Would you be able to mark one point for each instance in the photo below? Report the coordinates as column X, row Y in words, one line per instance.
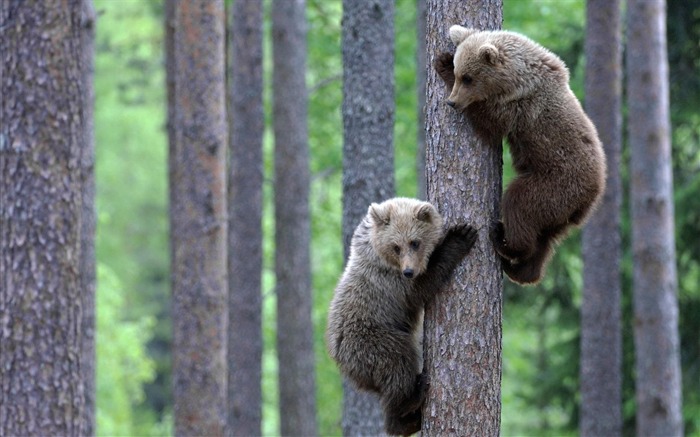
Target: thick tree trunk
column 245, row 220
column 198, row 215
column 657, row 360
column 42, row 142
column 462, row 341
column 601, row 326
column 292, row 222
column 368, row 151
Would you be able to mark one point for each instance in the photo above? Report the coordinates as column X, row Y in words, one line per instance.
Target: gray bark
column 368, row 151
column 462, row 340
column 197, row 131
column 421, row 70
column 42, row 142
column 292, row 222
column 657, row 360
column 601, row 326
column 245, row 220
column 87, row 231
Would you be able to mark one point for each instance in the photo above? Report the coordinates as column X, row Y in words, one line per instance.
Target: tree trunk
column 421, row 70
column 245, row 220
column 462, row 340
column 198, row 137
column 42, row 142
column 87, row 230
column 657, row 361
column 292, row 222
column 368, row 151
column 601, row 326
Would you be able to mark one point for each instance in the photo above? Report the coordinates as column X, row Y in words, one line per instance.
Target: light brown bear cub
column 508, row 85
column 400, row 257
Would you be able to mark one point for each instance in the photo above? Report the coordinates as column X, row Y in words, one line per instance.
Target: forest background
column 541, row 334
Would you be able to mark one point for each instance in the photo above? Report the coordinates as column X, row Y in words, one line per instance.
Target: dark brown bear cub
column 508, row 85
column 400, row 257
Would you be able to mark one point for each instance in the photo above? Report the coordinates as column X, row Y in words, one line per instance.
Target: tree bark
column 42, row 142
column 245, row 220
column 87, row 230
column 657, row 361
column 421, row 70
column 368, row 151
column 292, row 222
column 198, row 138
column 462, row 340
column 601, row 326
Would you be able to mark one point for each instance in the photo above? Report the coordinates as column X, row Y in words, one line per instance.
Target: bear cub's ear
column 380, row 214
column 426, row 213
column 460, row 33
column 488, row 53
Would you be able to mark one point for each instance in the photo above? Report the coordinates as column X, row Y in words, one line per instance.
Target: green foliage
column 122, row 363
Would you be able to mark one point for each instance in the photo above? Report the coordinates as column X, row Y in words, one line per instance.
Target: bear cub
column 509, row 86
column 400, row 256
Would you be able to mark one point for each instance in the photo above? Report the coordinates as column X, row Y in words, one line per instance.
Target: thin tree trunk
column 198, row 215
column 368, row 151
column 657, row 360
column 421, row 71
column 42, row 141
column 87, row 231
column 601, row 326
column 245, row 220
column 292, row 222
column 462, row 340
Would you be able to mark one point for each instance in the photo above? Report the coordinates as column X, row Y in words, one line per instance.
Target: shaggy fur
column 508, row 85
column 398, row 261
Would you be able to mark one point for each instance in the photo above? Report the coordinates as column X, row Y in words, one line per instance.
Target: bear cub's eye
column 467, row 80
column 397, row 249
column 415, row 245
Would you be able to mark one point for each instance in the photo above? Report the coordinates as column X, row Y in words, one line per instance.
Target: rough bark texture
column 42, row 138
column 292, row 222
column 87, row 231
column 245, row 220
column 368, row 151
column 421, row 71
column 601, row 326
column 657, row 360
column 462, row 340
column 198, row 216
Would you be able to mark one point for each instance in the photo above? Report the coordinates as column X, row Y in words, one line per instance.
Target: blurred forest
column 540, row 325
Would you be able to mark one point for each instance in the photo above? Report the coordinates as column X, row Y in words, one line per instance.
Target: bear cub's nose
column 451, row 103
column 408, row 273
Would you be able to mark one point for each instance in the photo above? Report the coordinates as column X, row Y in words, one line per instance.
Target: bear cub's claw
column 500, row 244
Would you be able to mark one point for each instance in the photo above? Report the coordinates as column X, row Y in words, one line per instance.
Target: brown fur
column 508, row 85
column 375, row 317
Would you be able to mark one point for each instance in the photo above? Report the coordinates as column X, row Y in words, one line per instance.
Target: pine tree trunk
column 87, row 230
column 657, row 360
column 462, row 340
column 198, row 215
column 245, row 220
column 368, row 151
column 421, row 71
column 292, row 222
column 601, row 326
column 42, row 142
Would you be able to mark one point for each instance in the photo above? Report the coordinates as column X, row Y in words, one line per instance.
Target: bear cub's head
column 499, row 66
column 404, row 233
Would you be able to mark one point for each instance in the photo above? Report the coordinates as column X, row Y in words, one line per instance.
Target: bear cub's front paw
column 462, row 236
column 444, row 65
